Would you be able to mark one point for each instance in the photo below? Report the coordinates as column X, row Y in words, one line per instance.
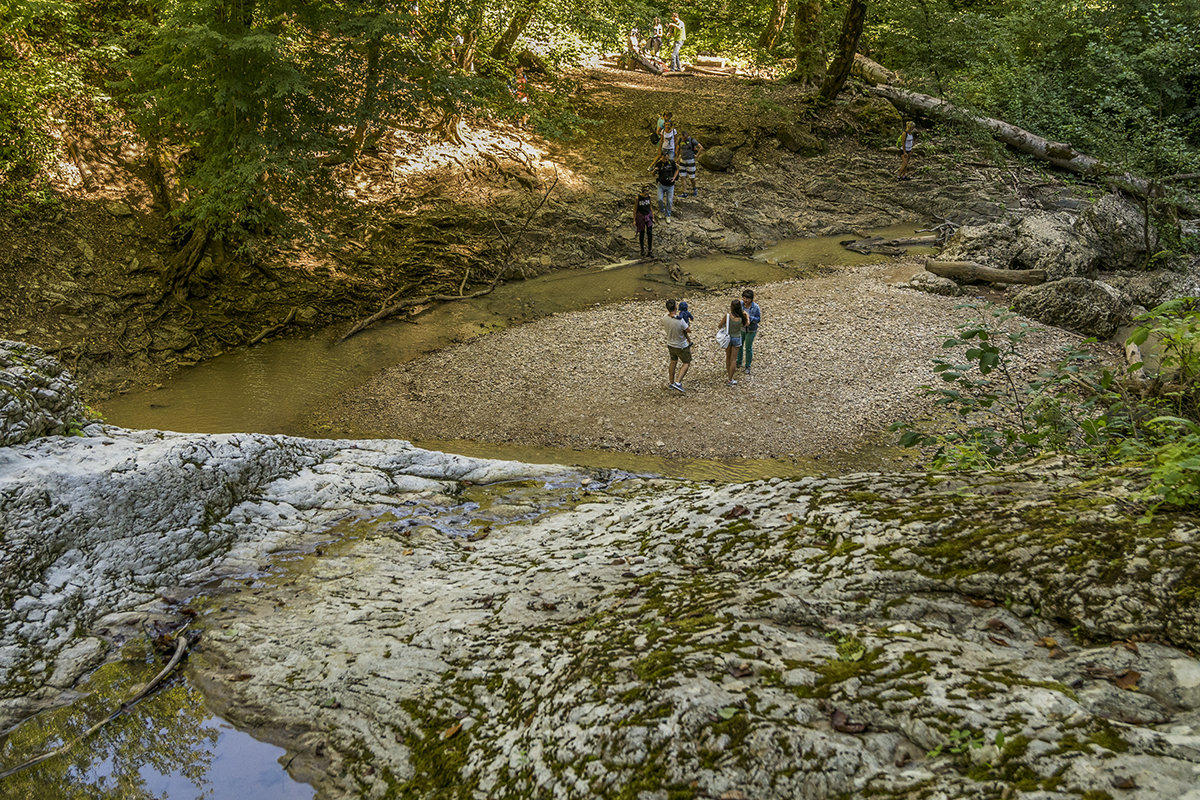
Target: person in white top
column 679, row 346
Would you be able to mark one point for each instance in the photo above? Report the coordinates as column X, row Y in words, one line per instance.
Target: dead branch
column 394, row 309
column 181, row 645
column 278, row 326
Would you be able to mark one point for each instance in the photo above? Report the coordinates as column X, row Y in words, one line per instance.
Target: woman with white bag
column 729, row 336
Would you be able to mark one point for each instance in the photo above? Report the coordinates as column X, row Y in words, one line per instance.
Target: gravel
column 838, row 358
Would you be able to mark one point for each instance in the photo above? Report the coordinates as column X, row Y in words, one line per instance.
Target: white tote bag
column 723, row 335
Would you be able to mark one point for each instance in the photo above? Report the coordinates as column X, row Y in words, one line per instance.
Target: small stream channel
column 281, row 386
column 170, row 745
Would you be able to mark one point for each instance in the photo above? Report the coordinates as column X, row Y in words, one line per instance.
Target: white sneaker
column 677, row 386
column 731, row 383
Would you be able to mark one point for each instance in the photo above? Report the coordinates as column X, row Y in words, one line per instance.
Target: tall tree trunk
column 366, row 107
column 839, row 70
column 466, row 55
column 516, row 27
column 810, row 50
column 771, row 33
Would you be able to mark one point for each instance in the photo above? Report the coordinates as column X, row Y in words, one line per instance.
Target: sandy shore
column 839, row 357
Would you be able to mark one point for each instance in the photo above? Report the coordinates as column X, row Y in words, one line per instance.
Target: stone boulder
column 933, row 284
column 1088, row 307
column 1116, row 229
column 800, row 140
column 875, row 116
column 716, row 159
column 991, row 245
column 37, row 396
column 1052, row 242
column 1148, row 288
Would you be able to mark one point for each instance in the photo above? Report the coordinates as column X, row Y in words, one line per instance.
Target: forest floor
column 422, row 216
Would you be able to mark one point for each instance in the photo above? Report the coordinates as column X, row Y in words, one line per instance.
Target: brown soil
column 84, row 282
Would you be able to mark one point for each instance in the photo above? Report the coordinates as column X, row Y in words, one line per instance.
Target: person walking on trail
column 643, row 223
column 680, row 37
column 689, row 148
column 906, row 142
column 734, row 326
column 666, row 173
column 656, row 32
column 666, row 147
column 679, row 347
column 753, row 317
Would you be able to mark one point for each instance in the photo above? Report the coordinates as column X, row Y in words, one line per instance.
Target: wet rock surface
column 893, row 635
column 96, row 527
column 410, row 623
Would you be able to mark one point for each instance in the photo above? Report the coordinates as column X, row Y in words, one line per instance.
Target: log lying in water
column 968, row 271
column 887, row 247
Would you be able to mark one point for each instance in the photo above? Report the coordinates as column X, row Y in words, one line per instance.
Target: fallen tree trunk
column 645, row 62
column 1059, row 154
column 968, row 271
column 891, row 247
column 720, row 73
column 872, row 72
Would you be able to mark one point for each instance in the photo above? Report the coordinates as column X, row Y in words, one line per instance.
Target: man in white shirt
column 679, row 346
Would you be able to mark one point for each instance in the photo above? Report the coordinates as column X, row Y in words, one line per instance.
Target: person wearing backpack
column 906, row 142
column 666, row 173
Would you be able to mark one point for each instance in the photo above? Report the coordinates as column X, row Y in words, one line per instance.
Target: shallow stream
column 282, row 385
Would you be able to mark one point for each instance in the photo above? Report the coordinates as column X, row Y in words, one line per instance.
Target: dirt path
column 838, row 358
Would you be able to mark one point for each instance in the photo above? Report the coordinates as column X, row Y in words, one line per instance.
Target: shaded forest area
column 245, row 107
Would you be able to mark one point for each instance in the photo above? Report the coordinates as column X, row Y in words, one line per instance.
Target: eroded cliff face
column 486, row 629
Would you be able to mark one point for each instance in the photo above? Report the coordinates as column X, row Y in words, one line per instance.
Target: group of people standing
column 675, row 29
column 735, row 334
column 667, row 172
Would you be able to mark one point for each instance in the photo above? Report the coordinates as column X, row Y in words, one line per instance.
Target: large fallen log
column 872, row 72
column 1059, row 154
column 968, row 271
column 637, row 59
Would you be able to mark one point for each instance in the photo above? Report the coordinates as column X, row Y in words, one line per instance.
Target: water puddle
column 166, row 746
column 277, row 386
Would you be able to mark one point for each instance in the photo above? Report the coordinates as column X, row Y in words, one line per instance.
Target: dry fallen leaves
column 1048, row 642
column 742, row 670
column 996, row 624
column 735, row 512
column 1128, row 680
column 1123, row 782
column 998, row 640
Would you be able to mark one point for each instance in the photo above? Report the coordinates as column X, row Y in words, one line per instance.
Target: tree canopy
column 253, row 100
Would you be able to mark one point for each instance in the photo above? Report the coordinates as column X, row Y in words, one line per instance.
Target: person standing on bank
column 680, row 36
column 656, row 31
column 667, row 172
column 906, row 142
column 643, row 223
column 679, row 347
column 735, row 325
column 689, row 148
column 753, row 317
column 667, row 137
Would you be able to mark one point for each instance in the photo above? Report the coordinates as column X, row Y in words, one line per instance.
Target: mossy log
column 969, row 271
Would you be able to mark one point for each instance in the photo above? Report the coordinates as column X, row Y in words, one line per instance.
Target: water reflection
column 167, row 747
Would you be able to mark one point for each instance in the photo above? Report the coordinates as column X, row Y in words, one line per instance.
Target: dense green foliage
column 1077, row 406
column 1119, row 79
column 251, row 102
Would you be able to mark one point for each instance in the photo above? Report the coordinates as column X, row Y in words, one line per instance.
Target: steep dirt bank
column 422, row 216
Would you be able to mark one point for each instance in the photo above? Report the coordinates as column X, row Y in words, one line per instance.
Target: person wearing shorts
column 689, row 148
column 679, row 347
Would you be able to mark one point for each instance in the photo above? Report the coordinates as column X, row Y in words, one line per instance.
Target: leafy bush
column 998, row 416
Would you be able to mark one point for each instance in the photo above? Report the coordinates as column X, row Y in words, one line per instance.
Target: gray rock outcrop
column 717, row 158
column 1091, row 308
column 37, row 396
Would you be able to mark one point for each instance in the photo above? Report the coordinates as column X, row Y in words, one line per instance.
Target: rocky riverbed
column 419, row 625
